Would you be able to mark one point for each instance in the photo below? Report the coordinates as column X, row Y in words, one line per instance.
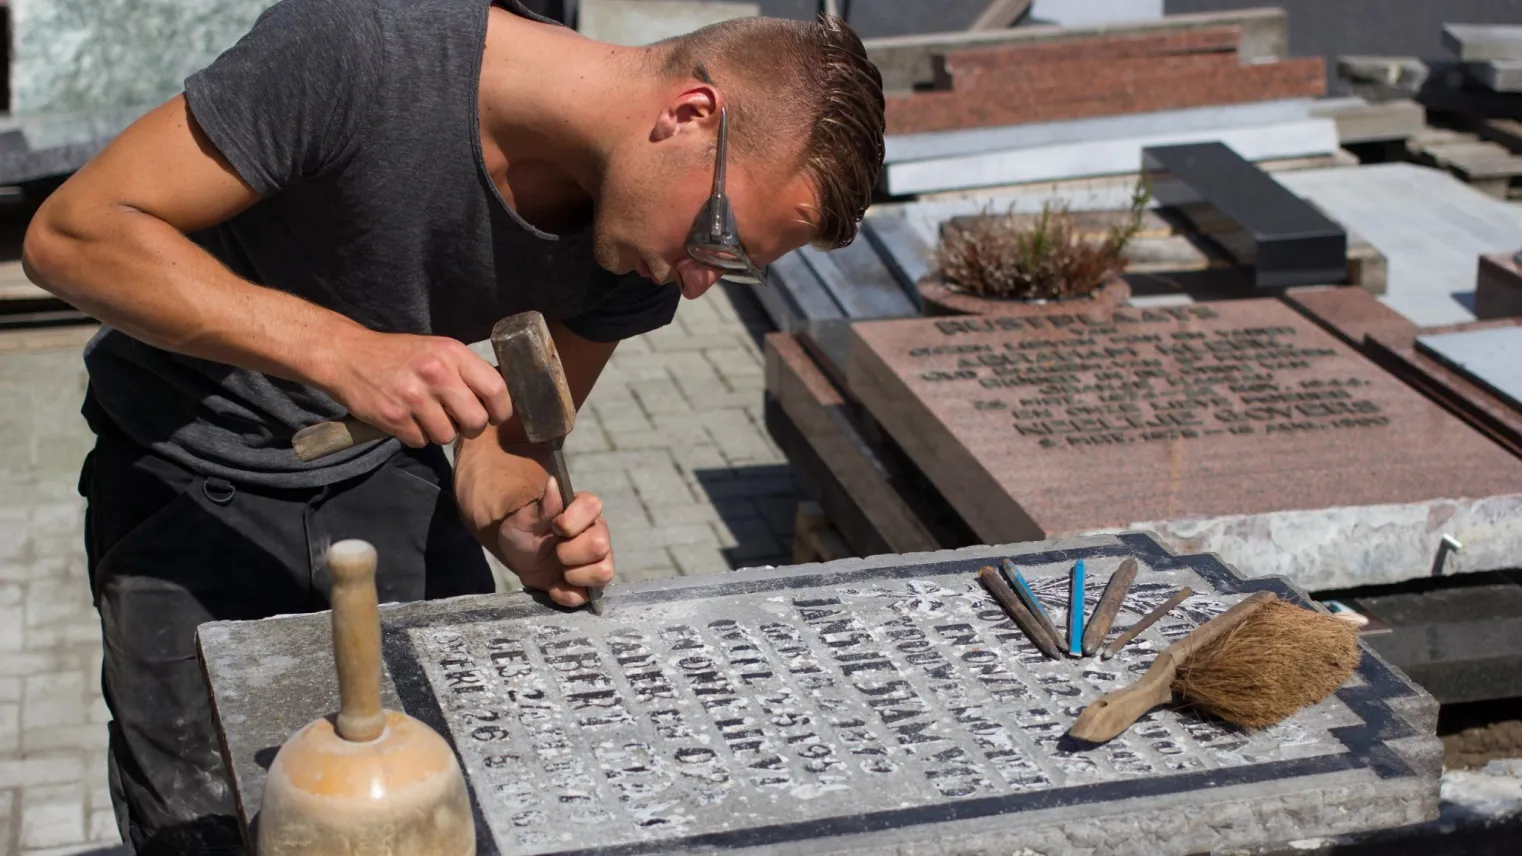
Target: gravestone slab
column 863, row 706
column 1389, row 339
column 1235, row 427
column 1491, row 358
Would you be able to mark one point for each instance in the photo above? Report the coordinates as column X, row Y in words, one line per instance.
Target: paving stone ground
column 671, row 438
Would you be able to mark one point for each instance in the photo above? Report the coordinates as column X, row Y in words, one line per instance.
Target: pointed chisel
column 1147, row 620
column 1028, row 597
column 1109, row 606
column 1016, row 609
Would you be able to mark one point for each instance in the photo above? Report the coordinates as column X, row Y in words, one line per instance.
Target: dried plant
column 1048, row 256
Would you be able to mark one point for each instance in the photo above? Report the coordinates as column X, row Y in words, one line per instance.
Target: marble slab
column 1429, row 226
column 1491, row 358
column 863, row 706
column 1235, row 427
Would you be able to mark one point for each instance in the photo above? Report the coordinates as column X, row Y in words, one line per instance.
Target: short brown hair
column 810, row 80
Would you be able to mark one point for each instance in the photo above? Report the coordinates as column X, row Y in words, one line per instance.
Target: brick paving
column 671, row 438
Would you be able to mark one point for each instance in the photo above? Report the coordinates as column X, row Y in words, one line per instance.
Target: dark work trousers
column 169, row 549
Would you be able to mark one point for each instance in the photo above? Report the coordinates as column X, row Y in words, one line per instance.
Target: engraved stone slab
column 1237, row 427
column 864, row 706
column 1491, row 358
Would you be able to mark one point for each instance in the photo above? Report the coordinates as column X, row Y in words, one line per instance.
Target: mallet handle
column 327, row 438
column 356, row 640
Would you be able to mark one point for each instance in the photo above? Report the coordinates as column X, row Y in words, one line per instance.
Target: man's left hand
column 556, row 549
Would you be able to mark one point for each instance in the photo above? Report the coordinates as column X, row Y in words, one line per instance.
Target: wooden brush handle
column 356, row 640
column 327, row 438
column 1215, row 627
column 1114, row 712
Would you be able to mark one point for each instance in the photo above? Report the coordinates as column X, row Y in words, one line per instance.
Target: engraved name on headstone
column 1219, row 426
column 847, row 710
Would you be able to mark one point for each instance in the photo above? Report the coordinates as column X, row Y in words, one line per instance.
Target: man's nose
column 697, row 278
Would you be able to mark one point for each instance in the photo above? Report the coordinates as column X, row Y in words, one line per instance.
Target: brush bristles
column 1279, row 660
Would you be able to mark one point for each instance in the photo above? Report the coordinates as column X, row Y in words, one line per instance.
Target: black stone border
column 1366, row 743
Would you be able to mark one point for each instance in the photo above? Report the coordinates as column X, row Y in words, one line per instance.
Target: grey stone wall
column 88, row 54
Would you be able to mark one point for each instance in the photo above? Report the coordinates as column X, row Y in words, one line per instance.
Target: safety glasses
column 714, row 241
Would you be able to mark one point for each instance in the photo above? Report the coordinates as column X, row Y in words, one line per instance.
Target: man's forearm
column 140, row 275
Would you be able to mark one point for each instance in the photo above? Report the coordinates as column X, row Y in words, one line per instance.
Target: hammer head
column 529, row 363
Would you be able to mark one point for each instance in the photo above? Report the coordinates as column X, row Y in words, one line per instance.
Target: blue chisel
column 1075, row 611
column 1028, row 597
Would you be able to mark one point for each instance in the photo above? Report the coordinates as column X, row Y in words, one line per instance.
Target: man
column 315, row 228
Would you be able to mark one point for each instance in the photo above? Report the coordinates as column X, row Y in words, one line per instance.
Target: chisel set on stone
column 1083, row 638
column 1253, row 666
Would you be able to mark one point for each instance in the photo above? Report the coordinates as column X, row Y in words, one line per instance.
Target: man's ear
column 694, row 108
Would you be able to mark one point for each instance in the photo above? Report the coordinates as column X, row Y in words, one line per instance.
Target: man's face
column 654, row 187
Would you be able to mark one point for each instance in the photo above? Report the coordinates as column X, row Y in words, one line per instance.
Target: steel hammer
column 530, row 365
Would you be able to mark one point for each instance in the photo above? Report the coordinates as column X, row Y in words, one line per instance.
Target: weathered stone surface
column 1235, row 427
column 865, row 706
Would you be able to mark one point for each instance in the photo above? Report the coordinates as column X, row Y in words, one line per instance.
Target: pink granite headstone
column 1238, row 427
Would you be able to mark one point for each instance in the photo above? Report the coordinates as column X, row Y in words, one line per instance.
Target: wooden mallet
column 366, row 780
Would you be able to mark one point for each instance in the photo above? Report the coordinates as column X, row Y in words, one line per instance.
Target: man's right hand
column 419, row 389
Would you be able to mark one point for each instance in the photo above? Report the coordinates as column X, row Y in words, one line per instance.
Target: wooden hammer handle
column 356, row 640
column 327, row 438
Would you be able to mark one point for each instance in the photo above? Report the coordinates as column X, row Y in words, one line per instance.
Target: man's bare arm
column 501, row 487
column 111, row 242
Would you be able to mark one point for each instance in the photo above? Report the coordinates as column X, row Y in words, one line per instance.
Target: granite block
column 1498, row 75
column 905, row 61
column 1094, row 93
column 1280, row 237
column 1235, row 427
column 1498, row 287
column 1480, row 42
column 1389, row 339
column 974, row 66
column 885, row 705
column 73, row 55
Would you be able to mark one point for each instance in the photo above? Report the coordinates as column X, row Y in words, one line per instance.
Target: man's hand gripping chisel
column 530, row 365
